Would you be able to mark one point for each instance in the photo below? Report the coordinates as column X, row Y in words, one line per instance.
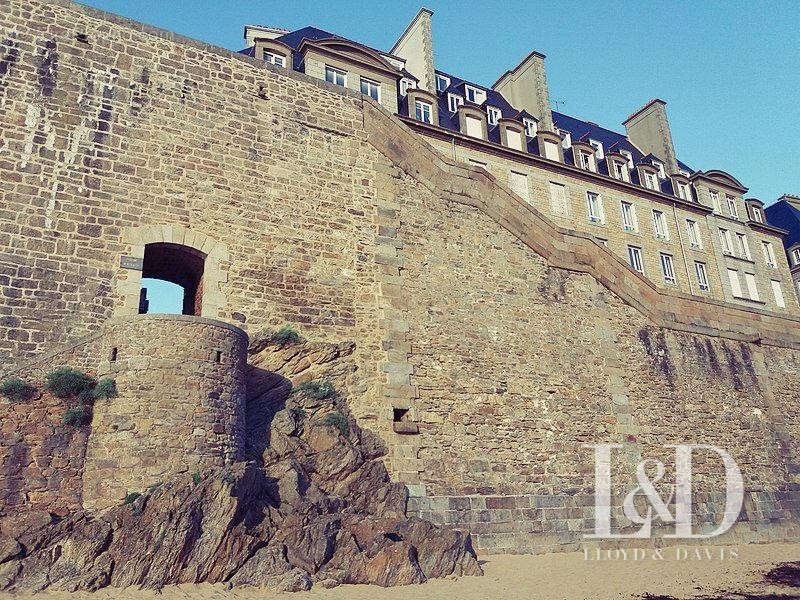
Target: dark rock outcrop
column 316, row 507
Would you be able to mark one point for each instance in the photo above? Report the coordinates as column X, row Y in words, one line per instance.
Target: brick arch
column 129, row 281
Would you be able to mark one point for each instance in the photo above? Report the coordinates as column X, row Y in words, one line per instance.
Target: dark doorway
column 179, row 265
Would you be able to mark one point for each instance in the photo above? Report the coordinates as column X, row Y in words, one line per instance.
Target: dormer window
column 684, row 192
column 619, row 170
column 732, row 206
column 371, row 88
column 796, row 256
column 530, row 127
column 336, row 76
column 660, row 166
column 442, row 82
column 454, row 101
column 475, row 95
column 586, row 160
column 757, row 216
column 274, row 58
column 651, row 181
column 404, row 85
column 566, row 138
column 493, row 115
column 627, row 154
column 422, row 111
column 598, row 149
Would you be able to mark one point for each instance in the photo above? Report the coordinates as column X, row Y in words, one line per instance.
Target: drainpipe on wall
column 453, row 142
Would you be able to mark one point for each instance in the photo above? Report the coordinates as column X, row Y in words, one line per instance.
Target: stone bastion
column 180, row 409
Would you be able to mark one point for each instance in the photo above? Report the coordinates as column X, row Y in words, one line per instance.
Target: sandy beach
column 568, row 576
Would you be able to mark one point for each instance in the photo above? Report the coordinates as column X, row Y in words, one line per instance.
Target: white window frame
column 620, row 171
column 726, row 241
column 752, row 287
column 454, row 101
column 660, row 227
column 714, row 194
column 796, row 256
column 404, row 85
column 629, row 156
column 478, row 95
column 744, row 246
column 629, row 220
column 439, row 79
column 418, row 110
column 370, row 84
column 531, row 127
column 702, row 275
column 587, row 161
column 693, row 231
column 732, row 208
column 635, row 259
column 769, row 254
column 777, row 292
column 597, row 213
column 660, row 166
column 334, row 71
column 735, row 283
column 651, row 181
column 279, row 60
column 668, row 268
column 493, row 114
column 566, row 138
column 684, row 192
column 598, row 148
column 759, row 218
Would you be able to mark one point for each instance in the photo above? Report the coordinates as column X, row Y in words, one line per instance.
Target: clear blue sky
column 729, row 71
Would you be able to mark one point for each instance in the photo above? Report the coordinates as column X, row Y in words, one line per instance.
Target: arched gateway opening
column 190, row 264
column 175, row 264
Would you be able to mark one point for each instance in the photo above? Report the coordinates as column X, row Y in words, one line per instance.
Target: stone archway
column 206, row 295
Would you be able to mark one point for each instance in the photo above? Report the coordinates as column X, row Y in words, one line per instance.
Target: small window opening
column 400, row 415
column 113, row 355
column 172, row 279
column 218, row 356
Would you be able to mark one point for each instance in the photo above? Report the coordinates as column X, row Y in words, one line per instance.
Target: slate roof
column 579, row 130
column 785, row 216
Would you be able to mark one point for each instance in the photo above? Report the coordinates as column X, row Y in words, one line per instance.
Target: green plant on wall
column 15, row 389
column 285, row 335
column 105, row 388
column 66, row 382
column 77, row 416
column 338, row 420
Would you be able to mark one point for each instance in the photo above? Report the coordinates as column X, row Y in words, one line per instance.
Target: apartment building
column 785, row 214
column 687, row 229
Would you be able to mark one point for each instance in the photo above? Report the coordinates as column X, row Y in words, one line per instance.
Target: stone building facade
column 493, row 338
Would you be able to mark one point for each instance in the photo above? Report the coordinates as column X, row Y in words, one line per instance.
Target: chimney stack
column 648, row 129
column 416, row 47
column 525, row 87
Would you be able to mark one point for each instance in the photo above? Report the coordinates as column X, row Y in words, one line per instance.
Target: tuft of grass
column 76, row 416
column 131, row 497
column 285, row 335
column 338, row 420
column 315, row 389
column 15, row 389
column 196, row 478
column 66, row 382
column 154, row 487
column 105, row 388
